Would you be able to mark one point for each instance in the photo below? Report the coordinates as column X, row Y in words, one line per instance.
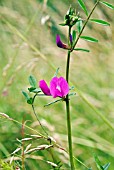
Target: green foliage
column 108, row 4
column 82, row 49
column 88, row 38
column 102, row 22
column 74, row 35
column 32, row 81
column 27, row 97
column 83, row 6
column 79, row 26
column 34, row 90
column 71, row 18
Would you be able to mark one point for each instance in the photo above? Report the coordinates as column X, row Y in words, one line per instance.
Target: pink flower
column 58, row 87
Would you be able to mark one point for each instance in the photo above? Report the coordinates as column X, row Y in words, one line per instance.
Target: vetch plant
column 59, row 86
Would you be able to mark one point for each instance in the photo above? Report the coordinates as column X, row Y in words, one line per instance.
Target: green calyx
column 71, row 18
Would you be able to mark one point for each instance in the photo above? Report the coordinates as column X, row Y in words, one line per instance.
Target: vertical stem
column 68, row 110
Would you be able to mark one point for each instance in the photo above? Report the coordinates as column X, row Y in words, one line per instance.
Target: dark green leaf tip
column 32, row 81
column 81, row 49
column 102, row 22
column 107, row 4
column 87, row 38
column 82, row 5
column 30, row 101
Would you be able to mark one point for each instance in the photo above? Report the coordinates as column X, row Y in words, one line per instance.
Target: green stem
column 67, row 78
column 38, row 119
column 68, row 111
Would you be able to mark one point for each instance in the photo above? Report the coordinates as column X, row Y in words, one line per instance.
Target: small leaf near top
column 108, row 5
column 99, row 21
column 32, row 81
column 79, row 25
column 87, row 38
column 82, row 4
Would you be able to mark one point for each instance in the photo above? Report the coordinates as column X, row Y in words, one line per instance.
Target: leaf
column 34, row 90
column 26, row 95
column 30, row 100
column 108, row 5
column 74, row 35
column 82, row 4
column 87, row 38
column 32, row 81
column 63, row 24
column 53, row 102
column 82, row 49
column 106, row 166
column 102, row 22
column 31, row 89
column 79, row 25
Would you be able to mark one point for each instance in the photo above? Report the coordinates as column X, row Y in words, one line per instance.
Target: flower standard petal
column 59, row 87
column 64, row 86
column 53, row 89
column 44, row 87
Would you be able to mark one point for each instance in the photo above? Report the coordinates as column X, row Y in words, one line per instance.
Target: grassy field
column 28, row 30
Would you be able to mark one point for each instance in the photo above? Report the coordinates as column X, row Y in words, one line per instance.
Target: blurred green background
column 28, row 30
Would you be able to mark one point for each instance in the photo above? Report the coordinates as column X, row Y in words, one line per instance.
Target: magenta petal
column 64, row 86
column 44, row 87
column 59, row 42
column 59, row 87
column 53, row 88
